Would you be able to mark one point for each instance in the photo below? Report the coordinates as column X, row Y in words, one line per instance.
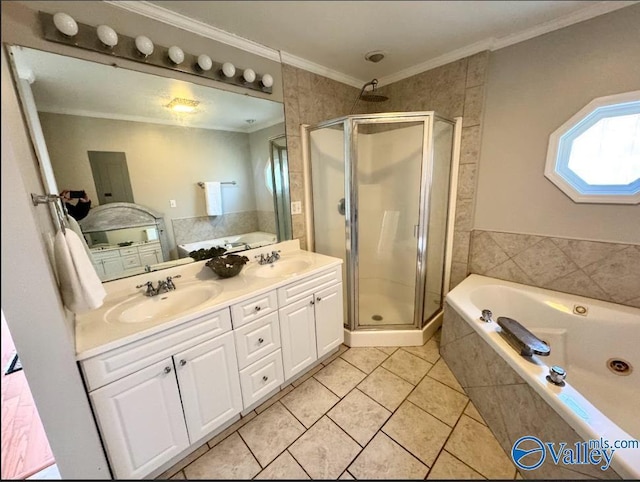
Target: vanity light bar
column 141, row 49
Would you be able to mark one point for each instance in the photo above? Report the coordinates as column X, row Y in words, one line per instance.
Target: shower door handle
column 341, row 208
column 416, row 230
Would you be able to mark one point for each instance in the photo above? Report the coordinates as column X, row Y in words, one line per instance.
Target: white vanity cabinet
column 151, row 414
column 113, row 262
column 311, row 319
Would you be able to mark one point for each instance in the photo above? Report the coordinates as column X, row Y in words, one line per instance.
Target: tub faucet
column 486, row 316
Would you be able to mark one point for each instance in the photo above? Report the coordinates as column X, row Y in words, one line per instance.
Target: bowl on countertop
column 227, row 266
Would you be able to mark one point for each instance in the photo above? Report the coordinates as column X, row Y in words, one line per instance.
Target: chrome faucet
column 163, row 286
column 268, row 258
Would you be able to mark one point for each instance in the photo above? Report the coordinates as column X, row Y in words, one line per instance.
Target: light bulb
column 65, row 24
column 176, row 55
column 144, row 45
column 267, row 80
column 249, row 75
column 204, row 62
column 228, row 69
column 107, row 35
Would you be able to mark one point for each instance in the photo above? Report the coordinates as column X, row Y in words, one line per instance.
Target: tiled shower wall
column 452, row 90
column 604, row 271
column 308, row 99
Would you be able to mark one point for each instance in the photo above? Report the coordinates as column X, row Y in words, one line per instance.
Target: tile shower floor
column 365, row 413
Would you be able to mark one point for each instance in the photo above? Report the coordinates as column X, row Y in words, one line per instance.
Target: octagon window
column 595, row 156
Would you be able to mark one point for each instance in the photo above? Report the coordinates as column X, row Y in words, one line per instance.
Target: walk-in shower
column 379, row 199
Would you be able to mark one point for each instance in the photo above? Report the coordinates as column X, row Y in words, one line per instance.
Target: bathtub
column 236, row 242
column 595, row 402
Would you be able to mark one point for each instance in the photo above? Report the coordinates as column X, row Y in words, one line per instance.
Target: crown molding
column 189, row 24
column 594, row 10
column 301, row 63
column 493, row 43
column 183, row 22
column 143, row 119
column 447, row 58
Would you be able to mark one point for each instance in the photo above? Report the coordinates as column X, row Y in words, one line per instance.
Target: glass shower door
column 327, row 159
column 387, row 184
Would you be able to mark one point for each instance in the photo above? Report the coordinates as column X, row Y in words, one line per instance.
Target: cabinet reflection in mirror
column 128, row 137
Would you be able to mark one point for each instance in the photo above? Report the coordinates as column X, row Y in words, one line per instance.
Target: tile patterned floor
column 365, row 413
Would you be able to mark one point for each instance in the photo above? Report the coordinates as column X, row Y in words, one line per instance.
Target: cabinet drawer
column 257, row 339
column 111, row 253
column 307, row 286
column 128, row 251
column 254, row 308
column 119, row 362
column 131, row 261
column 149, row 247
column 262, row 377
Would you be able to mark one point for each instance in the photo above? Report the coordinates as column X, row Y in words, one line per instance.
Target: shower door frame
column 350, row 128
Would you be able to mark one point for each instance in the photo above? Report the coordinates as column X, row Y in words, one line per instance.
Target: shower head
column 370, row 96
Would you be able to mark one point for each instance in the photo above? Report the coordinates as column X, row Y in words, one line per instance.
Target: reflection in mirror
column 279, row 186
column 118, row 135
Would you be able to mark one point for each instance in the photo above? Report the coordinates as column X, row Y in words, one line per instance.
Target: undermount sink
column 140, row 308
column 282, row 267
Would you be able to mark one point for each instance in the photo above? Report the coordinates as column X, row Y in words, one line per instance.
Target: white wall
column 533, row 87
column 164, row 162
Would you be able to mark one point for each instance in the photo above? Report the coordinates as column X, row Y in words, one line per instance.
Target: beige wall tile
column 470, row 145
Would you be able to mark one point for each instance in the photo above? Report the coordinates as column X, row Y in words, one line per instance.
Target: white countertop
column 95, row 335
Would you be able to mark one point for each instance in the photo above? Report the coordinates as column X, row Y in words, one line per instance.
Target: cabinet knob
column 260, row 341
column 318, row 299
column 265, row 378
column 167, row 369
column 312, row 302
column 183, row 362
column 257, row 308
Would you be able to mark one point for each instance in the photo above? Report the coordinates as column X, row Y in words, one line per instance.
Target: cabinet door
column 209, row 385
column 99, row 269
column 329, row 319
column 298, row 335
column 149, row 257
column 113, row 266
column 141, row 420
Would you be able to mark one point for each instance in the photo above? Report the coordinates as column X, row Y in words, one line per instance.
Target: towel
column 73, row 224
column 213, row 198
column 80, row 286
column 388, row 231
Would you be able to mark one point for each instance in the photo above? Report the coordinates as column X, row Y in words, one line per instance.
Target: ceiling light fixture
column 183, row 106
column 374, row 56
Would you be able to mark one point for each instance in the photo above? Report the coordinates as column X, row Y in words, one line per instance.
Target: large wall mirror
column 169, row 166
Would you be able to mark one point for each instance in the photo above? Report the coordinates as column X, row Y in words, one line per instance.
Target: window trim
column 554, row 167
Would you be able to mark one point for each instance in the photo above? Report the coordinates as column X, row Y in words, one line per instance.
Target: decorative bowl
column 227, row 266
column 207, row 253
